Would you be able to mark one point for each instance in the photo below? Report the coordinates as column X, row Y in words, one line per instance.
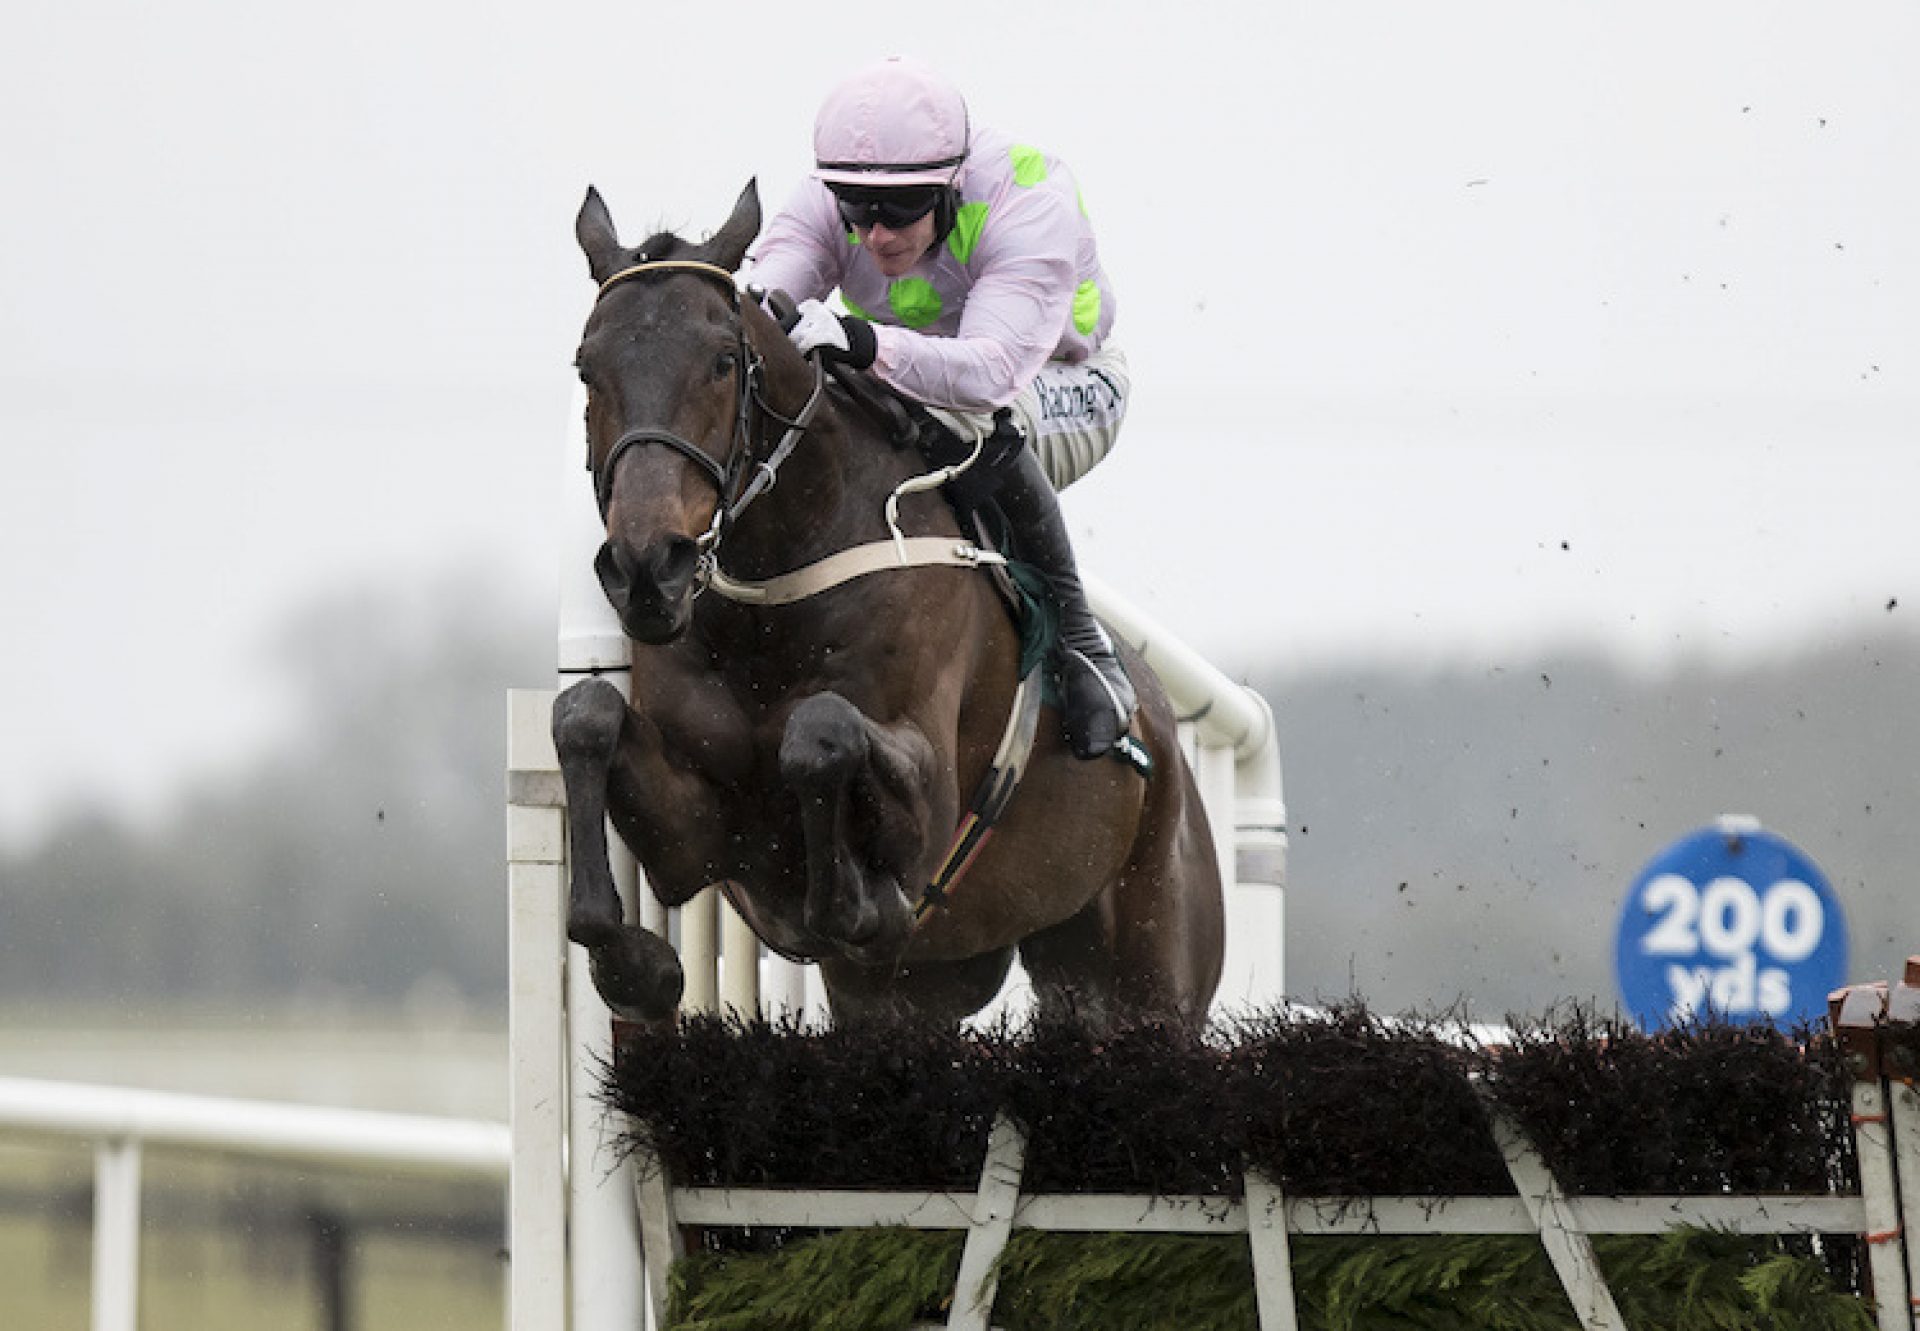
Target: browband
column 688, row 265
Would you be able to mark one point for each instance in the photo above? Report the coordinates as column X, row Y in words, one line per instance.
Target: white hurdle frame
column 575, row 1238
column 1879, row 1032
column 1539, row 1209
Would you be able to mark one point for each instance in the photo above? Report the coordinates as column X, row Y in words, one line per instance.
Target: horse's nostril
column 611, row 565
column 675, row 561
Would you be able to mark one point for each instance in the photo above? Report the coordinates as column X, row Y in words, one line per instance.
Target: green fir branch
column 888, row 1279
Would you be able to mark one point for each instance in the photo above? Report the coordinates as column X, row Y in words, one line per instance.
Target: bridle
column 739, row 478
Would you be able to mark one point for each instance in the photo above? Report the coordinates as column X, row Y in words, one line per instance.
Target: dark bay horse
column 815, row 758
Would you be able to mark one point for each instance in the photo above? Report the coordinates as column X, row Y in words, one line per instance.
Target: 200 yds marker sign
column 1731, row 921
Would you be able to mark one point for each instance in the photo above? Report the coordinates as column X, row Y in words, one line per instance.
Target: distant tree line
column 1457, row 833
column 359, row 859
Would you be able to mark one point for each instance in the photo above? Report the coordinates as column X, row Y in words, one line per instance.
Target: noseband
column 729, row 476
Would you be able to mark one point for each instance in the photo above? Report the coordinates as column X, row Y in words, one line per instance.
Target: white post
column 1873, row 1144
column 740, row 962
column 603, row 1235
column 1246, row 968
column 1273, row 1294
column 1213, row 774
column 536, row 1019
column 1260, row 850
column 603, row 1239
column 994, row 1203
column 116, row 1235
column 700, row 951
column 653, row 1200
column 1568, row 1247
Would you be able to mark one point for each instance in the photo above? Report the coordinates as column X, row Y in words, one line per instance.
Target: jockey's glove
column 849, row 341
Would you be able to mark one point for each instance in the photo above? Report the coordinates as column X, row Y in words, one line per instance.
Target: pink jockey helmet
column 896, row 122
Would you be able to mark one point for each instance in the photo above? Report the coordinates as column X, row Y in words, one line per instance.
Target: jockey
column 972, row 286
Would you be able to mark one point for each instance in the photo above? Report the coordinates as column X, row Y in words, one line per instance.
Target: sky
column 1458, row 332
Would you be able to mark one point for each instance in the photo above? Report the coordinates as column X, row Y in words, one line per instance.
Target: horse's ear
column 729, row 244
column 593, row 228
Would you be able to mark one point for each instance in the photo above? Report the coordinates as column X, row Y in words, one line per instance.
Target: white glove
column 818, row 326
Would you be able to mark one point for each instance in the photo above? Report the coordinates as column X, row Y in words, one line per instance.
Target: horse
column 814, row 757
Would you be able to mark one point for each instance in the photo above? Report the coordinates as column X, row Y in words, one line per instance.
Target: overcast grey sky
column 1456, row 329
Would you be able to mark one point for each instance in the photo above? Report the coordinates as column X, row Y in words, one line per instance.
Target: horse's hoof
column 637, row 975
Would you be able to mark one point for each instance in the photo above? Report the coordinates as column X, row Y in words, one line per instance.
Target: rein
column 728, row 476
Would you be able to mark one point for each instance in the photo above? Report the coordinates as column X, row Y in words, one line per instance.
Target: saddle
column 1022, row 587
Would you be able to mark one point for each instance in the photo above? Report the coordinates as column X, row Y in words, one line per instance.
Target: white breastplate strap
column 846, row 565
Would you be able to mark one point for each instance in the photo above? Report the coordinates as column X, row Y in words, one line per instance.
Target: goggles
column 895, row 208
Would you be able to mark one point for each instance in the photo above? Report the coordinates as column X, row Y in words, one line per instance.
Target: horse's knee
column 825, row 740
column 587, row 719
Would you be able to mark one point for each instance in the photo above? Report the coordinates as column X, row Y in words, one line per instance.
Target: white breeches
column 1070, row 414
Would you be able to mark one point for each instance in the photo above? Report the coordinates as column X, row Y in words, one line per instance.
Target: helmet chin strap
column 945, row 214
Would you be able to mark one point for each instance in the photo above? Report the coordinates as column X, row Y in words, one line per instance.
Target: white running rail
column 121, row 1123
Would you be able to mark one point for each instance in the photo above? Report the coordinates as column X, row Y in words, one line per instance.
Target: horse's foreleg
column 586, row 732
column 636, row 972
column 863, row 817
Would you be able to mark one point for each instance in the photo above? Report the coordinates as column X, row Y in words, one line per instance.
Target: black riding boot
column 1095, row 692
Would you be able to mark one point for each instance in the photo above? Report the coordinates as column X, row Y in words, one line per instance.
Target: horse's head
column 667, row 358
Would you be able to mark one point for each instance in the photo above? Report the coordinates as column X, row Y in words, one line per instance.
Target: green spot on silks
column 854, row 309
column 853, row 237
column 1081, row 199
column 1029, row 165
column 914, row 301
column 1086, row 308
column 968, row 223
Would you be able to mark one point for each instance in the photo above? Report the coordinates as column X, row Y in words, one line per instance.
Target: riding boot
column 1096, row 696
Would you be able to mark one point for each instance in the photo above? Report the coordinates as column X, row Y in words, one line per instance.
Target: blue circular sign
column 1730, row 922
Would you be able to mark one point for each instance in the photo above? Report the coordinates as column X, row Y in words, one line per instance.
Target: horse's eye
column 724, row 363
